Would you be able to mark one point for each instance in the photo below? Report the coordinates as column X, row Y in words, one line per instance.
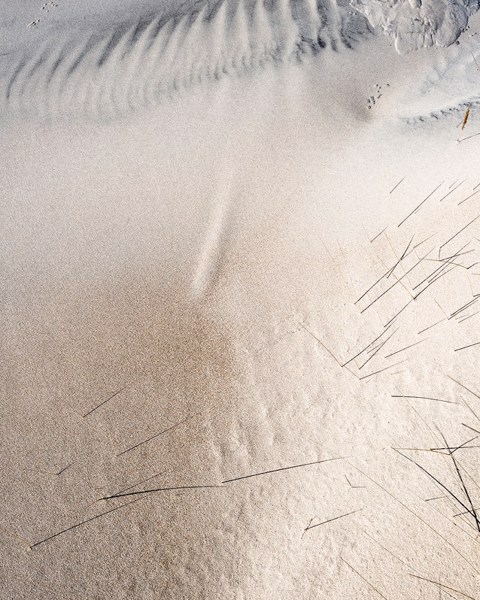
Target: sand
column 239, row 311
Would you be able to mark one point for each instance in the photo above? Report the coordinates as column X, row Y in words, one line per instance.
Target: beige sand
column 181, row 288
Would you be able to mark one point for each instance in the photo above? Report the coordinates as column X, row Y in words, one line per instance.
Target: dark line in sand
column 82, row 523
column 334, row 519
column 381, row 370
column 402, row 349
column 402, row 256
column 469, row 137
column 472, row 428
column 465, row 347
column 380, row 346
column 453, row 449
column 105, row 401
column 468, row 317
column 458, row 233
column 473, row 511
column 468, row 197
column 355, row 487
column 398, row 313
column 64, row 469
column 420, row 205
column 163, row 489
column 154, row 436
column 316, row 462
column 362, row 577
column 430, row 326
column 378, row 235
column 423, row 398
column 412, row 512
column 460, row 514
column 451, row 191
column 326, row 349
column 371, row 287
column 140, row 482
column 366, row 348
column 442, row 585
column 396, row 186
column 394, row 284
column 437, row 481
column 464, row 307
column 466, row 403
column 388, row 271
column 464, row 387
column 437, row 278
column 445, row 263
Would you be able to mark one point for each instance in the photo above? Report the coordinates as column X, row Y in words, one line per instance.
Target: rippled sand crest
column 138, row 65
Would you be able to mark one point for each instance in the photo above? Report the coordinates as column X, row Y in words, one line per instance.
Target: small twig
column 396, row 186
column 105, row 401
column 402, row 349
column 155, row 436
column 465, row 347
column 381, row 370
column 420, row 205
column 316, row 462
column 330, row 520
column 423, row 398
column 362, row 577
column 82, row 523
column 164, row 489
column 442, row 585
column 378, row 235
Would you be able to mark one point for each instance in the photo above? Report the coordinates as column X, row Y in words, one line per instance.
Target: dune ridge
column 136, row 66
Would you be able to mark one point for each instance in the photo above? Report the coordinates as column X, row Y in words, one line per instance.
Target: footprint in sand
column 46, row 8
column 375, row 97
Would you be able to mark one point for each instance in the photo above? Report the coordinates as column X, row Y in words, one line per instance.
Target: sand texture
column 240, row 301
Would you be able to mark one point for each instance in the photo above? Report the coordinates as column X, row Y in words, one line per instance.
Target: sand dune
column 139, row 64
column 239, row 268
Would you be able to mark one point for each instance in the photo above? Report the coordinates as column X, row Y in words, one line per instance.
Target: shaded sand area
column 240, row 318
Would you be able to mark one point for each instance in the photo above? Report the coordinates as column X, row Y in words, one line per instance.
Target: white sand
column 198, row 266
